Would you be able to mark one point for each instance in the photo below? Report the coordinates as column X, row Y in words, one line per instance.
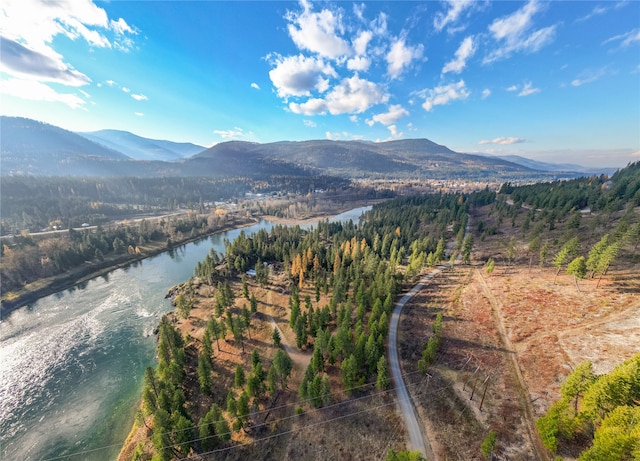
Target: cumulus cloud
column 126, row 90
column 309, row 123
column 230, row 134
column 139, row 97
column 444, row 94
column 351, row 95
column 513, row 88
column 486, row 93
column 455, row 9
column 465, row 51
column 395, row 133
column 513, row 33
column 334, row 51
column 528, row 89
column 503, row 141
column 400, row 56
column 318, row 32
column 36, row 91
column 359, row 63
column 255, row 86
column 361, row 42
column 395, row 113
column 299, row 75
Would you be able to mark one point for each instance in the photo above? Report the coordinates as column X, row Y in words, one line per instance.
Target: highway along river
column 71, row 364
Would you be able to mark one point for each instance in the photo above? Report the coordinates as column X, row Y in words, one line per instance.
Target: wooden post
column 486, row 385
column 464, row 387
column 474, row 386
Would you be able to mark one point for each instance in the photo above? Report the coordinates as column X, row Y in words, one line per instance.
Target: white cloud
column 33, row 25
column 335, row 136
column 444, row 94
column 455, row 9
column 313, row 106
column 465, row 51
column 486, row 93
column 359, row 63
column 395, row 132
column 528, row 89
column 139, row 114
column 318, row 32
column 625, row 39
column 139, row 97
column 230, row 134
column 400, row 56
column 121, row 27
column 36, row 91
column 20, row 61
column 596, row 11
column 255, row 86
column 513, row 88
column 589, row 76
column 309, row 123
column 513, row 34
column 352, row 95
column 110, row 82
column 503, row 141
column 361, row 41
column 395, row 113
column 126, row 90
column 299, row 75
column 353, row 118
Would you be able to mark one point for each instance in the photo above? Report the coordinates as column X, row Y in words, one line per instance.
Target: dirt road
column 418, row 440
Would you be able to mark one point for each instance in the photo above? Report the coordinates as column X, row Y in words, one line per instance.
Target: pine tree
column 382, row 380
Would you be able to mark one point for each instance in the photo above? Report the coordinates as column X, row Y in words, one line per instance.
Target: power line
column 251, row 415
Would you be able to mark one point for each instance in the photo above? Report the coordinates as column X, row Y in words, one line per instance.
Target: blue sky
column 555, row 81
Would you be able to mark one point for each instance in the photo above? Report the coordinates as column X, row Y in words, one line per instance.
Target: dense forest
column 27, row 259
column 33, row 203
column 355, row 265
column 360, row 269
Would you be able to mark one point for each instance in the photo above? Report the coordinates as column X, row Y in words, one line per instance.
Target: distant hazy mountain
column 557, row 167
column 30, row 147
column 141, row 148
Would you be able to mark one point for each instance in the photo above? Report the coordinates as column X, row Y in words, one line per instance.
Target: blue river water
column 71, row 364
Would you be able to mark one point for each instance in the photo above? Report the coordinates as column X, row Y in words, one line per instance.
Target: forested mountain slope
column 34, row 148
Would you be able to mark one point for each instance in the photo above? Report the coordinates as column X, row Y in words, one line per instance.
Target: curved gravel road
column 417, row 438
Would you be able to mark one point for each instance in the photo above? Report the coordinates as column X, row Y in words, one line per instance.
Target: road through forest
column 417, row 437
column 418, row 440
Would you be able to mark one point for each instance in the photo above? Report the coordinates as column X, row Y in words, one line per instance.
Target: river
column 71, row 364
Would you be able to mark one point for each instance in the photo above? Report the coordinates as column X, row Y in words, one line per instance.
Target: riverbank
column 92, row 269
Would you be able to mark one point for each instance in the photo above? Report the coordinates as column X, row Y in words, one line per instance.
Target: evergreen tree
column 382, row 380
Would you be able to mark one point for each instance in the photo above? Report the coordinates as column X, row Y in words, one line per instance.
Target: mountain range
column 139, row 148
column 30, row 147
